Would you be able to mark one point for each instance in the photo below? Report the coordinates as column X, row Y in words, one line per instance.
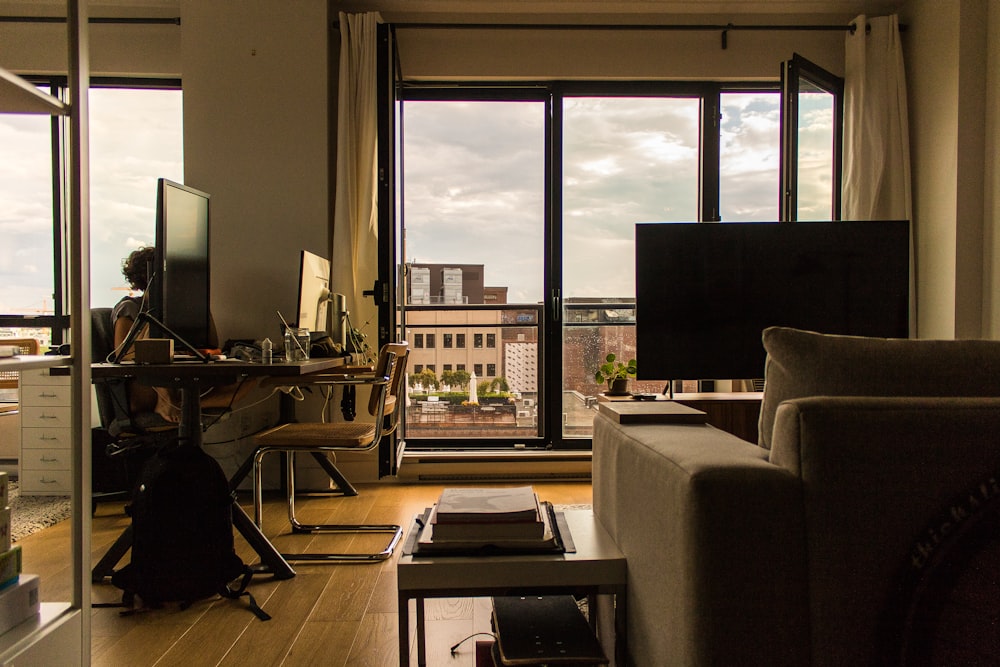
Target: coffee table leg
column 621, row 622
column 421, row 638
column 403, row 616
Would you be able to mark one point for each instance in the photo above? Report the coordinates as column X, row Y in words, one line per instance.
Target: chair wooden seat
column 386, row 382
column 309, row 435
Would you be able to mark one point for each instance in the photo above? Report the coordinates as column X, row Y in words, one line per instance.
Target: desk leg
column 403, row 614
column 269, row 556
column 421, row 636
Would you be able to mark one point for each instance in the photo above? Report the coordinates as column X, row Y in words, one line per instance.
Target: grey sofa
column 802, row 549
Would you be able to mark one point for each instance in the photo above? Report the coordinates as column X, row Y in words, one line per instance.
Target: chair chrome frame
column 292, row 438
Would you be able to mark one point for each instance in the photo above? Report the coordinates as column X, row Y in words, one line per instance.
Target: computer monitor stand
column 145, row 318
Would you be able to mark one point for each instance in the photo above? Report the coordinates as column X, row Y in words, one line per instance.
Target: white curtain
column 355, row 216
column 876, row 131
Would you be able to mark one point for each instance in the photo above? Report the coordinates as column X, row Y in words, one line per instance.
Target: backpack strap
column 241, row 590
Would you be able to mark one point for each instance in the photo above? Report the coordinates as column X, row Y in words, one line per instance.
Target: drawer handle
column 48, row 417
column 47, row 395
column 46, row 459
column 48, row 437
column 44, row 480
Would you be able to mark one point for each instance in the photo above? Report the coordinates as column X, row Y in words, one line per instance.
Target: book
column 543, row 630
column 487, row 504
column 487, row 530
column 19, row 601
column 652, row 412
column 10, row 565
column 549, row 540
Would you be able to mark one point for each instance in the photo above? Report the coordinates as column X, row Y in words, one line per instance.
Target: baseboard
column 486, row 466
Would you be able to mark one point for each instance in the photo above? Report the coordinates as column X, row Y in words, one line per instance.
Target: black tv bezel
column 199, row 334
column 665, row 354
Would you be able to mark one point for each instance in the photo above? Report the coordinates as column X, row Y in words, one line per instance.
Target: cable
column 474, row 634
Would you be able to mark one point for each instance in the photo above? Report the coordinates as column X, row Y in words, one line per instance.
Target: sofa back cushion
column 804, row 363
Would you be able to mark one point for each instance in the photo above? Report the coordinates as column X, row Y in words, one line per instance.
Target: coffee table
column 597, row 568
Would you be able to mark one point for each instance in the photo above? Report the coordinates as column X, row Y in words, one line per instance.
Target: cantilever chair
column 384, row 405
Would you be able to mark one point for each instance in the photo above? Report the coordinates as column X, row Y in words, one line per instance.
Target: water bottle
column 266, row 351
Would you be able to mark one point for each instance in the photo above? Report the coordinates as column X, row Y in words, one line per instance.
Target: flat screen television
column 706, row 291
column 314, row 291
column 179, row 288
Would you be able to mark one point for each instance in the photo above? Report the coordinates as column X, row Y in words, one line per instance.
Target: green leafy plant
column 612, row 370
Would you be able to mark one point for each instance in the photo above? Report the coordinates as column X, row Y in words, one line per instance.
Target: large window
column 135, row 138
column 518, row 229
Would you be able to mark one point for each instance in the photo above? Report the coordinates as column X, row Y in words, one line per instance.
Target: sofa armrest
column 713, row 540
column 876, row 472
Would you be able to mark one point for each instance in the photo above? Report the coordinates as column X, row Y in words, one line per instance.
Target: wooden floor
column 326, row 615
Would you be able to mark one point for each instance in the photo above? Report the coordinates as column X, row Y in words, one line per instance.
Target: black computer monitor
column 179, row 289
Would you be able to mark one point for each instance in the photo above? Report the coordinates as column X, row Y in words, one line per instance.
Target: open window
column 812, row 120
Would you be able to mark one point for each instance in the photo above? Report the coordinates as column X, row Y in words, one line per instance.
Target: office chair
column 384, row 405
column 127, row 438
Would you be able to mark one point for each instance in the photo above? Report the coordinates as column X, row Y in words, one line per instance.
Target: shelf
column 20, row 96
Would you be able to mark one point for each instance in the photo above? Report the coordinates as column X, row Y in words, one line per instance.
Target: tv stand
column 736, row 412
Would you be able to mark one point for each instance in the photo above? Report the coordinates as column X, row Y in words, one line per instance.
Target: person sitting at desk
column 143, row 398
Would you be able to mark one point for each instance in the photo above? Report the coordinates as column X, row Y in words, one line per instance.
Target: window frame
column 58, row 323
column 709, row 93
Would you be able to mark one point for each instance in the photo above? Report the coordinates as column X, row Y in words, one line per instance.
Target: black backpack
column 182, row 533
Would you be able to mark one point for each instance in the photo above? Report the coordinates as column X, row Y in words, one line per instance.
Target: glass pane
column 626, row 160
column 136, row 137
column 473, row 226
column 749, row 156
column 26, row 275
column 816, row 141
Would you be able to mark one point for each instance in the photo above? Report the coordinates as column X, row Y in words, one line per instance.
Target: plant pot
column 618, row 387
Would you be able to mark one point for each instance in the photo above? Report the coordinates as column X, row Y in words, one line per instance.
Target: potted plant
column 616, row 374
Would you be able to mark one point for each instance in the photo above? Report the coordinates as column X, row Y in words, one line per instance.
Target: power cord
column 474, row 634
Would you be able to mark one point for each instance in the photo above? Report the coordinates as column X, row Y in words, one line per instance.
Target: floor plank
column 343, row 614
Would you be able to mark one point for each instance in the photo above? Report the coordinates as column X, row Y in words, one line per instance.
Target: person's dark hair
column 135, row 267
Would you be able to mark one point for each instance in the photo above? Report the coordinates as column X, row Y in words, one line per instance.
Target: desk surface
column 26, row 362
column 195, row 370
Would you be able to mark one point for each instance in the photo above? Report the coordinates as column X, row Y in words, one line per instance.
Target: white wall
column 256, row 138
column 945, row 51
column 593, row 54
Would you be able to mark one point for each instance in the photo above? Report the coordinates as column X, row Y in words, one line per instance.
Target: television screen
column 314, row 291
column 180, row 285
column 706, row 291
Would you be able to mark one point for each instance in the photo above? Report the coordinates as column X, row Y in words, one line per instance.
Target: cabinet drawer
column 46, row 459
column 45, row 376
column 46, row 438
column 47, row 416
column 44, row 395
column 45, row 482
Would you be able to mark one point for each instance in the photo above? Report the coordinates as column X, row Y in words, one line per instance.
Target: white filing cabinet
column 46, row 432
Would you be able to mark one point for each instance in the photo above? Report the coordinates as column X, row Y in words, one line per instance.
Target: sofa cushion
column 804, row 363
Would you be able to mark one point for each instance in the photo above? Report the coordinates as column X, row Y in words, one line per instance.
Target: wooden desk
column 188, row 377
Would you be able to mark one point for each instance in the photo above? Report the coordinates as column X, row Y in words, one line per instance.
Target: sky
column 473, row 181
column 135, row 138
column 473, row 185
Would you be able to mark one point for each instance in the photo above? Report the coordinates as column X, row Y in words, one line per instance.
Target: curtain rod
column 176, row 20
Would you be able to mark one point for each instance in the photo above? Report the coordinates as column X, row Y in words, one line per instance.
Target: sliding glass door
column 624, row 160
column 473, row 221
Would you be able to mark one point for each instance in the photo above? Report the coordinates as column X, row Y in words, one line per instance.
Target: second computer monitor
column 314, row 291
